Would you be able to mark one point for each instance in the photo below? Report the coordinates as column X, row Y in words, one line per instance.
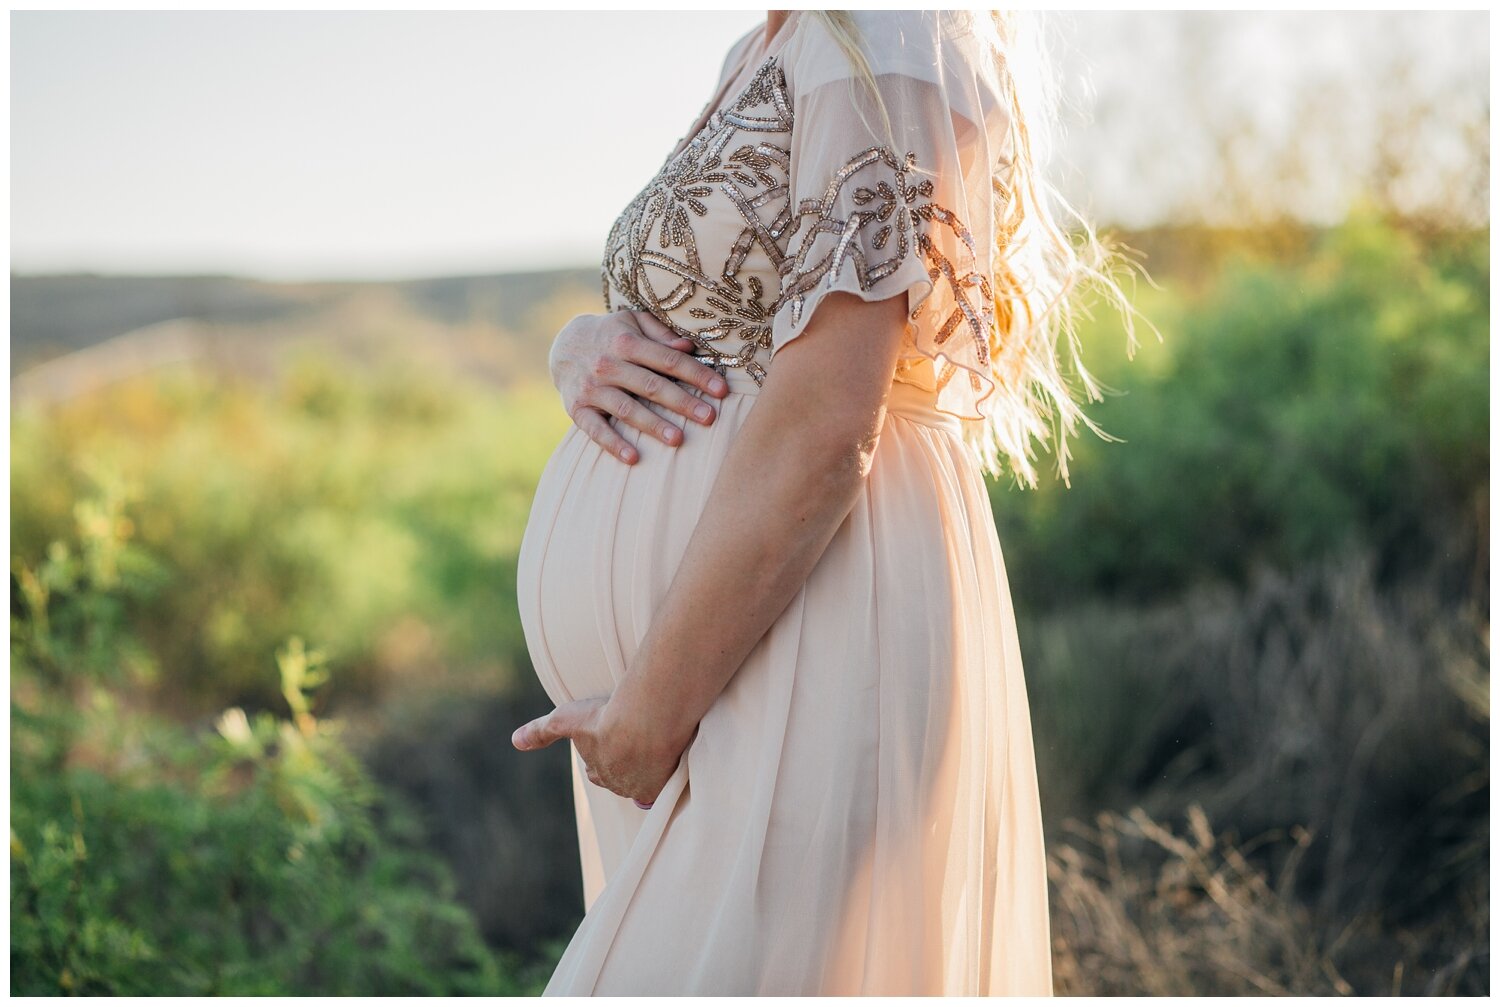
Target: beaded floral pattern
column 669, row 252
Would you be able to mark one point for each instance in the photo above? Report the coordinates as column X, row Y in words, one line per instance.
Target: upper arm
column 891, row 242
column 832, row 399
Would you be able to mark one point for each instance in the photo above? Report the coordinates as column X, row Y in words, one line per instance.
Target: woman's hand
column 620, row 757
column 606, row 365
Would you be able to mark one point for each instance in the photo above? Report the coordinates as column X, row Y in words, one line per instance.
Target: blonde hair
column 1041, row 269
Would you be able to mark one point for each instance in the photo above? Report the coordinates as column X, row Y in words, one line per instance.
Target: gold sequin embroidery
column 741, row 157
column 739, row 162
column 900, row 208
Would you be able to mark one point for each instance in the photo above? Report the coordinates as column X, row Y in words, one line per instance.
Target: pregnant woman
column 779, row 639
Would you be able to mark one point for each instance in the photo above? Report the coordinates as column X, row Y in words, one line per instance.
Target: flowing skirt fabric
column 858, row 813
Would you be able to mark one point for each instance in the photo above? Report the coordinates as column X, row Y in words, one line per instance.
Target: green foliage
column 1297, row 409
column 149, row 859
column 379, row 514
column 1318, row 396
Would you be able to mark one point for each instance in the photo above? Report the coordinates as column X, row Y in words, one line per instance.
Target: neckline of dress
column 727, row 92
column 778, row 42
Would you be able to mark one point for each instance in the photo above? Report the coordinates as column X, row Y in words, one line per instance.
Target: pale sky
column 392, row 145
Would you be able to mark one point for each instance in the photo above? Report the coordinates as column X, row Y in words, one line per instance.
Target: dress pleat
column 858, row 812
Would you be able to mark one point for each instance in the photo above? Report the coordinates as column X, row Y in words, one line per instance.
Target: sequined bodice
column 702, row 245
column 764, row 211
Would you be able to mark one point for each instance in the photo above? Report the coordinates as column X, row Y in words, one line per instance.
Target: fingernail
column 718, row 386
column 628, row 454
column 702, row 411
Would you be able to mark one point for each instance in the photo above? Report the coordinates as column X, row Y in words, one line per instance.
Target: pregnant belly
column 602, row 543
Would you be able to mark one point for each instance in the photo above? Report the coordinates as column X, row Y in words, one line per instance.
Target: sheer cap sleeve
column 920, row 217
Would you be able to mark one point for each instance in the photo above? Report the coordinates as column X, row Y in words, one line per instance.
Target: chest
column 701, row 246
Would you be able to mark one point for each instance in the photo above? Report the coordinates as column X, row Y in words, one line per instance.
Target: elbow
column 839, row 453
column 855, row 451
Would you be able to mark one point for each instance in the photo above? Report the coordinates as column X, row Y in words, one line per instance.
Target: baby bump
column 603, row 541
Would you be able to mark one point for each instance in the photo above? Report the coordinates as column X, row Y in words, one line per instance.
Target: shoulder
column 913, row 43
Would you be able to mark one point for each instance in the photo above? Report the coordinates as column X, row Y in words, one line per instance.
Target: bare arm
column 802, row 455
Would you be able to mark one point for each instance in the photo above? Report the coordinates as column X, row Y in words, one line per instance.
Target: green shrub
column 254, row 858
column 378, row 513
column 1296, row 409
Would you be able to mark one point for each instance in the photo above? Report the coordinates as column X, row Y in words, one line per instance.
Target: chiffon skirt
column 858, row 812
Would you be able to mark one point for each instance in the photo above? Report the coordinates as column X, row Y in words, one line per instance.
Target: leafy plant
column 147, row 858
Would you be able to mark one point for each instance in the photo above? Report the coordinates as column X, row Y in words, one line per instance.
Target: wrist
column 637, row 726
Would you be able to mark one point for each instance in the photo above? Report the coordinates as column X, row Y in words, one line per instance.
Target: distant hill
column 496, row 327
column 53, row 315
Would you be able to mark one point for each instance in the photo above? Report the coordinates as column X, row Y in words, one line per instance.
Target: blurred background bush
column 265, row 657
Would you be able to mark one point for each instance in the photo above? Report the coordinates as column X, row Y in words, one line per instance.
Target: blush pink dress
column 858, row 812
